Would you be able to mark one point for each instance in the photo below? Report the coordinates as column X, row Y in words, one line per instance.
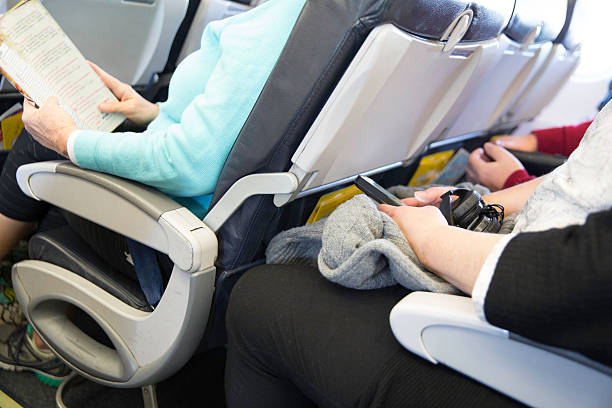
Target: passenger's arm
column 457, row 255
column 561, row 140
column 513, row 199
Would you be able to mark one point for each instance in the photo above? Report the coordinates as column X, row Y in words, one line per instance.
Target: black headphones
column 469, row 211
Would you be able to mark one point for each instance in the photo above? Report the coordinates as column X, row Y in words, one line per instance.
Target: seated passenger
column 505, row 170
column 181, row 153
column 296, row 339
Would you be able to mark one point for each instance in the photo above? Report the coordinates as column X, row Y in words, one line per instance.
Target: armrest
column 420, row 310
column 445, row 329
column 539, row 163
column 128, row 208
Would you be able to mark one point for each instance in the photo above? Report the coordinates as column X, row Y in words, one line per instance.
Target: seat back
column 207, row 11
column 555, row 71
column 137, row 37
column 325, row 40
column 526, row 43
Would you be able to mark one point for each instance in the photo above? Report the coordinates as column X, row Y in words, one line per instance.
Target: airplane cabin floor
column 199, row 383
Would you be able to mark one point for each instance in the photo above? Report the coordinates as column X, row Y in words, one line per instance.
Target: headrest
column 431, row 18
column 549, row 15
column 566, row 37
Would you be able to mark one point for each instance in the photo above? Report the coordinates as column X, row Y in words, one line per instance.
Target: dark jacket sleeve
column 555, row 287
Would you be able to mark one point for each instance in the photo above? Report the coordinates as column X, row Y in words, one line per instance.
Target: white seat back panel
column 395, row 94
column 553, row 74
column 131, row 39
column 499, row 87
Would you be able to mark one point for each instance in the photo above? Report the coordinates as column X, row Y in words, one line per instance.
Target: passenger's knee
column 247, row 305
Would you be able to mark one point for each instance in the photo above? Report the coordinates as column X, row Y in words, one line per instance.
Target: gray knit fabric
column 359, row 247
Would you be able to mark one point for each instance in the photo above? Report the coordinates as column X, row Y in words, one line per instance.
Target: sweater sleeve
column 554, row 287
column 561, row 140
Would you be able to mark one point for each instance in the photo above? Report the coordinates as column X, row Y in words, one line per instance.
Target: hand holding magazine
column 39, row 59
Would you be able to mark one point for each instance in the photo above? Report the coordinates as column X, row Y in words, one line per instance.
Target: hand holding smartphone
column 376, row 192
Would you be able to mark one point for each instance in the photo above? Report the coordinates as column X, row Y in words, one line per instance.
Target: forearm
column 513, row 199
column 456, row 255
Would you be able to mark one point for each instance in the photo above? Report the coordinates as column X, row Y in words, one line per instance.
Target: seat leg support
column 149, row 396
column 72, row 380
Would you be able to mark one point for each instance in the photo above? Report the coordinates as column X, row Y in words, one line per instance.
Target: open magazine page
column 21, row 75
column 56, row 66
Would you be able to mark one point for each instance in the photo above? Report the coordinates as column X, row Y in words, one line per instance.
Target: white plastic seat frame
column 148, row 346
column 500, row 87
column 547, row 82
column 399, row 93
column 444, row 329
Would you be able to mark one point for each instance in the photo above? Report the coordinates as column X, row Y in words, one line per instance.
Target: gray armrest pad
column 146, row 198
column 128, row 208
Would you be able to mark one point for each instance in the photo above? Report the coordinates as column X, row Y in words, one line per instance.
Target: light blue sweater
column 210, row 97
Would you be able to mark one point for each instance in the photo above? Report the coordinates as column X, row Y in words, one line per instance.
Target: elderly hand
column 131, row 104
column 50, row 125
column 492, row 174
column 527, row 143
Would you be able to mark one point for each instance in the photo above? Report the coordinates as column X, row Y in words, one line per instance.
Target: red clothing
column 518, row 177
column 560, row 140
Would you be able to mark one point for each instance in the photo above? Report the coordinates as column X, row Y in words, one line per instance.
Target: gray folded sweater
column 359, row 247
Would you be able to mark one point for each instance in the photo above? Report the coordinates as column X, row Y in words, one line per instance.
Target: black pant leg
column 295, row 337
column 13, row 203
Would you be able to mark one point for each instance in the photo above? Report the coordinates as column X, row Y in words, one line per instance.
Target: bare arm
column 514, row 198
column 454, row 254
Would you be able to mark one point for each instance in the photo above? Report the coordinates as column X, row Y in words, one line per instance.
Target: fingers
column 502, row 139
column 477, row 159
column 110, row 81
column 528, row 142
column 387, row 209
column 413, row 202
column 111, row 107
column 496, row 152
column 432, row 195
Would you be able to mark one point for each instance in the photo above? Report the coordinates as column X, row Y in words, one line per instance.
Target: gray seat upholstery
column 64, row 248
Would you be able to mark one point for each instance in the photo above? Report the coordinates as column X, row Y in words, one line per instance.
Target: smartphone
column 376, row 192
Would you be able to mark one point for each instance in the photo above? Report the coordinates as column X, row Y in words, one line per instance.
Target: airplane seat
column 525, row 44
column 369, row 109
column 350, row 57
column 444, row 329
column 554, row 72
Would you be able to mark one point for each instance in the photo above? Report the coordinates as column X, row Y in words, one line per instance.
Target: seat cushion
column 66, row 249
